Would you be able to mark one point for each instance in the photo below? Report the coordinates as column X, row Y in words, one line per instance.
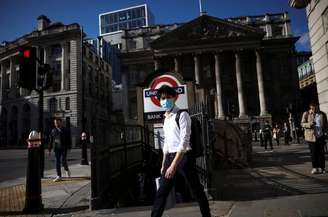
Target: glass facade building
column 127, row 18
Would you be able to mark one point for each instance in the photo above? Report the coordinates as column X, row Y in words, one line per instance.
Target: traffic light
column 27, row 68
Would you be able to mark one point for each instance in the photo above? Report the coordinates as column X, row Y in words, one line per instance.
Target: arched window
column 3, row 127
column 13, row 132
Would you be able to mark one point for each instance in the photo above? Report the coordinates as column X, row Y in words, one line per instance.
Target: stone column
column 2, row 84
column 13, row 75
column 218, row 87
column 259, row 73
column 156, row 64
column 46, row 55
column 242, row 112
column 64, row 64
column 176, row 64
column 196, row 67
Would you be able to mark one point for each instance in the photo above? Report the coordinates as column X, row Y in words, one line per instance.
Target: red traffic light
column 27, row 53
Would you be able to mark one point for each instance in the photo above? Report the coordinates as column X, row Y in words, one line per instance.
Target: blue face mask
column 167, row 104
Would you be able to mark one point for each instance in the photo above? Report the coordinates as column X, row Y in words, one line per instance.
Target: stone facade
column 243, row 66
column 60, row 46
column 317, row 14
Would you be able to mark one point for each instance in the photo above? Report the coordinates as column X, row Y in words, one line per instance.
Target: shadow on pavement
column 46, row 211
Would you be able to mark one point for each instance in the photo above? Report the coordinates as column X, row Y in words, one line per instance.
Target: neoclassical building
column 81, row 84
column 243, row 67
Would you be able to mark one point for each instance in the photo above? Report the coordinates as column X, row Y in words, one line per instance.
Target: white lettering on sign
column 154, row 117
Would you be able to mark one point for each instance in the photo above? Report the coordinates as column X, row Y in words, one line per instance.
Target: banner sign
column 152, row 107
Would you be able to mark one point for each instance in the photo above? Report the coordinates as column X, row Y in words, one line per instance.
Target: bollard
column 33, row 199
column 84, row 144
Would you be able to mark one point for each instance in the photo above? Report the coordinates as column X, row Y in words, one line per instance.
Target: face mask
column 167, row 104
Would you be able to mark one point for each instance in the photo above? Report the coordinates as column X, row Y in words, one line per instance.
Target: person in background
column 261, row 137
column 267, row 135
column 315, row 127
column 84, row 145
column 60, row 142
column 286, row 132
column 276, row 133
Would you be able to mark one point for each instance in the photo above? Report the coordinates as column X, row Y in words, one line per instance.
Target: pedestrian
column 177, row 155
column 84, row 145
column 60, row 142
column 315, row 126
column 267, row 135
column 276, row 133
column 255, row 135
column 261, row 138
column 286, row 132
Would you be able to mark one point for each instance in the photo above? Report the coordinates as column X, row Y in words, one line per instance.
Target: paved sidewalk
column 243, row 195
column 67, row 196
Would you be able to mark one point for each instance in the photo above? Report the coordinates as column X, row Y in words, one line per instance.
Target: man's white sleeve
column 185, row 131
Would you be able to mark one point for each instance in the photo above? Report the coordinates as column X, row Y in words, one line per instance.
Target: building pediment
column 206, row 30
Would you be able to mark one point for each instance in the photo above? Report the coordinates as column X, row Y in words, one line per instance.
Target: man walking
column 60, row 141
column 177, row 155
column 276, row 134
column 315, row 126
column 267, row 135
column 286, row 132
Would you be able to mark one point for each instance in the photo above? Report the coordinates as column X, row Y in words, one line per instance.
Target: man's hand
column 162, row 170
column 170, row 171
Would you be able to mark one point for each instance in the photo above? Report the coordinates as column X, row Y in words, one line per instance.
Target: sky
column 18, row 17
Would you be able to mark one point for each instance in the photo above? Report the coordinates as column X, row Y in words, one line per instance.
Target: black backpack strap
column 177, row 117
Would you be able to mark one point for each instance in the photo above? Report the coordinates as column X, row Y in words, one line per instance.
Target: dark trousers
column 61, row 159
column 187, row 168
column 277, row 140
column 318, row 153
column 287, row 138
column 267, row 138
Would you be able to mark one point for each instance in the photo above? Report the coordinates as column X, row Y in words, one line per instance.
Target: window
column 52, row 105
column 67, row 104
column 277, row 30
column 122, row 16
column 56, row 51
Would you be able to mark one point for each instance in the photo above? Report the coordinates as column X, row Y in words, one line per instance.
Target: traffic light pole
column 33, row 78
column 41, row 131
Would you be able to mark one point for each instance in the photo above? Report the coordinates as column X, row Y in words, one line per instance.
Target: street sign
column 152, row 108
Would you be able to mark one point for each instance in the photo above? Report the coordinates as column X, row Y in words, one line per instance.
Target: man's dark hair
column 58, row 119
column 314, row 103
column 167, row 90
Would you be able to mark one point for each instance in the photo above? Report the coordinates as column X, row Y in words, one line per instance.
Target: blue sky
column 18, row 17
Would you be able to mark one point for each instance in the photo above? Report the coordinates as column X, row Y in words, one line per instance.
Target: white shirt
column 175, row 139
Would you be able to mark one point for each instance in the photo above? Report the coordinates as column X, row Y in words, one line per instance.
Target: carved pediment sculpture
column 205, row 29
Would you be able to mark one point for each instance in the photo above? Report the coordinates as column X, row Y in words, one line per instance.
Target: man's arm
column 163, row 161
column 51, row 139
column 173, row 167
column 304, row 122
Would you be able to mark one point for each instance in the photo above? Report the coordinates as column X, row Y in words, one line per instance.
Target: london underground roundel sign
column 152, row 108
